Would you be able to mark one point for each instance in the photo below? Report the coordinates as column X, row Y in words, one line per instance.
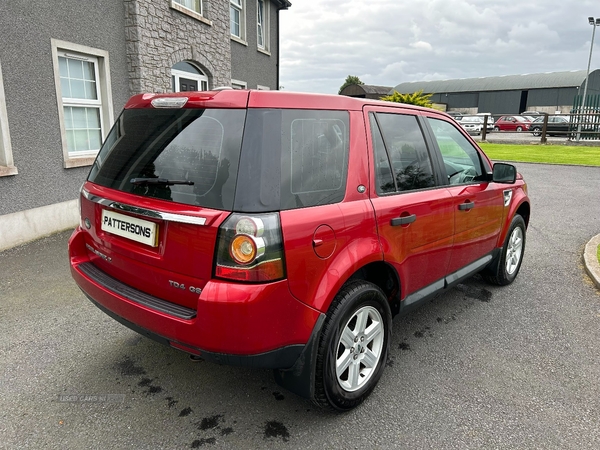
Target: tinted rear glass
column 191, row 145
column 292, row 159
column 289, row 158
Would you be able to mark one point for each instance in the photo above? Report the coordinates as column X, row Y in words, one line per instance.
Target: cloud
column 420, row 45
column 386, row 42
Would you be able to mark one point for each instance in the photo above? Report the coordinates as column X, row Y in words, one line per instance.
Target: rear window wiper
column 162, row 181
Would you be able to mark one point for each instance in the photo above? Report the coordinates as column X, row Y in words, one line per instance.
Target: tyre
column 353, row 347
column 519, row 129
column 536, row 131
column 496, row 128
column 505, row 270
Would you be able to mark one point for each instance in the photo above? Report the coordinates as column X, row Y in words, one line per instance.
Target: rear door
column 415, row 217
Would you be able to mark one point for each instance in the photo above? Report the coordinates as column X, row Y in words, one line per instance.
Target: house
column 509, row 94
column 67, row 68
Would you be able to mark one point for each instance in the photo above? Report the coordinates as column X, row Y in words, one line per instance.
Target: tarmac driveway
column 479, row 367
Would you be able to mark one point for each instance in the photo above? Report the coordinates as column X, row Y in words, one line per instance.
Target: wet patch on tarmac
column 274, row 429
column 483, row 295
column 128, row 368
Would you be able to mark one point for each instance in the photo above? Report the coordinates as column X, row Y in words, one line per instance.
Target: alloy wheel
column 514, row 250
column 359, row 348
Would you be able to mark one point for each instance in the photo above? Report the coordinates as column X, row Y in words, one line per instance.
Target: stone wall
column 159, row 36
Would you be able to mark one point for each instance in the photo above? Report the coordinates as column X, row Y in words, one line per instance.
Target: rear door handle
column 466, row 206
column 404, row 220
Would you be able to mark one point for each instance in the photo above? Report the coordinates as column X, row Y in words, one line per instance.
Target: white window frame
column 237, row 84
column 240, row 6
column 6, row 159
column 198, row 15
column 266, row 32
column 260, row 87
column 104, row 102
column 190, row 76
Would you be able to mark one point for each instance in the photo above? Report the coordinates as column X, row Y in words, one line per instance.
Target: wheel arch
column 384, row 276
column 522, row 207
column 524, row 210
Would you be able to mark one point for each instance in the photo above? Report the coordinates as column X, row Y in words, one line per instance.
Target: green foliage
column 350, row 79
column 416, row 98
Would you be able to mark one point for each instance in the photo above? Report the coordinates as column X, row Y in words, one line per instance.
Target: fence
column 587, row 119
column 584, row 124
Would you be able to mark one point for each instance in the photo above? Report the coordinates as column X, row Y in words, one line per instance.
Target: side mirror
column 504, row 173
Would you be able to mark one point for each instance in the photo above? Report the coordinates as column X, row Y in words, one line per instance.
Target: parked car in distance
column 532, row 115
column 455, row 115
column 283, row 231
column 557, row 125
column 474, row 124
column 512, row 123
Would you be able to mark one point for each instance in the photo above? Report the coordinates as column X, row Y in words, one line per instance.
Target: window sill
column 239, row 40
column 262, row 50
column 189, row 12
column 6, row 171
column 79, row 162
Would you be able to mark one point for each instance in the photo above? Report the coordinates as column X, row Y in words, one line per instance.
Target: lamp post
column 594, row 23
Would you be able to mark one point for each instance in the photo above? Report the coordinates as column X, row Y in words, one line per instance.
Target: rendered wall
column 31, row 98
column 247, row 62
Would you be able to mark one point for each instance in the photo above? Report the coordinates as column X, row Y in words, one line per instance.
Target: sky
column 387, row 42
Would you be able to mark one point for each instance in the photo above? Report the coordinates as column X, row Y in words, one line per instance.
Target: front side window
column 82, row 80
column 461, row 160
column 262, row 24
column 237, row 19
column 401, row 157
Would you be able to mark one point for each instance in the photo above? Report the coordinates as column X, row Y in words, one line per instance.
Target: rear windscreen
column 265, row 160
column 198, row 147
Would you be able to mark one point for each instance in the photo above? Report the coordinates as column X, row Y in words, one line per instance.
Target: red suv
column 284, row 230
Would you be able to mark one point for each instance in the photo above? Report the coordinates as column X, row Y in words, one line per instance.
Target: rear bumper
column 257, row 325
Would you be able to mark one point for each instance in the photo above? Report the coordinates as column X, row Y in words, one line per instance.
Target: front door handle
column 466, row 206
column 404, row 220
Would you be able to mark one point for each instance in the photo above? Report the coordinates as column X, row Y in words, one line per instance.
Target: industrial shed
column 510, row 94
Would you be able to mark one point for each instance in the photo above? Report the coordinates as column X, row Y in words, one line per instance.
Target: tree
column 350, row 79
column 416, row 98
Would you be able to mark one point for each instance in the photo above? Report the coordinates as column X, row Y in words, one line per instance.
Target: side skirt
column 416, row 299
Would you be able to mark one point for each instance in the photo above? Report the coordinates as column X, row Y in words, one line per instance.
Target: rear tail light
column 250, row 248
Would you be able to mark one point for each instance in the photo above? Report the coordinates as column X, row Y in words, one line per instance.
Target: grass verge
column 549, row 154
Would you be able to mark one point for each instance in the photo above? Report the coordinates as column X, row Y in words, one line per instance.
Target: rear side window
column 292, row 159
column 401, row 156
column 197, row 151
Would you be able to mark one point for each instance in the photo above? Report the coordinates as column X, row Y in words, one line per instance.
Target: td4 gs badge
column 175, row 284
